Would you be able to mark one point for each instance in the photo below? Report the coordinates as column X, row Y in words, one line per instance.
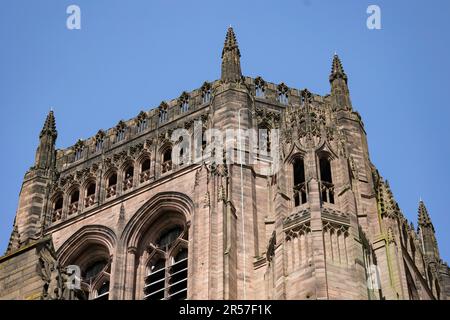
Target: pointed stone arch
column 96, row 235
column 150, row 211
column 163, row 212
column 324, row 147
column 294, row 151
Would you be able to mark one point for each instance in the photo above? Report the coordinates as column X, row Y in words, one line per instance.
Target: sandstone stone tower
column 144, row 219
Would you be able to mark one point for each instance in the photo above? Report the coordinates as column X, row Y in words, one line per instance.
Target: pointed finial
column 337, row 70
column 230, row 42
column 231, row 66
column 49, row 126
column 424, row 218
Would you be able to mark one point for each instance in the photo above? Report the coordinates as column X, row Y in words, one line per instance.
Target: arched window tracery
column 166, row 277
column 326, row 179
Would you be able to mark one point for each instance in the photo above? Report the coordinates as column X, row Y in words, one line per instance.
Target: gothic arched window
column 93, row 259
column 299, row 182
column 95, row 280
column 167, row 271
column 128, row 177
column 326, row 180
column 168, row 237
column 145, row 170
column 93, row 270
column 57, row 208
column 90, row 195
column 74, row 199
column 167, row 160
column 111, row 188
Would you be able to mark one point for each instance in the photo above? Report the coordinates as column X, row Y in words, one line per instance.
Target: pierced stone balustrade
column 299, row 194
column 57, row 215
column 73, row 208
column 167, row 166
column 327, row 191
column 127, row 183
column 144, row 176
column 111, row 191
column 89, row 201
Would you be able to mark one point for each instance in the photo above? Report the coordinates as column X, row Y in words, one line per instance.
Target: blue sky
column 130, row 55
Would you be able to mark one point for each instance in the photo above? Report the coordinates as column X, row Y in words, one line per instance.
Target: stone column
column 130, row 270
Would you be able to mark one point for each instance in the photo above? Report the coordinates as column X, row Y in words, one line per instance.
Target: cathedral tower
column 280, row 201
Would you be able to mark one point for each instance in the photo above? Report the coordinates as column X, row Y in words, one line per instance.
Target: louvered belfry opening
column 168, row 269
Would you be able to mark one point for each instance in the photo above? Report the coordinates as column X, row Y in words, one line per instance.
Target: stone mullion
column 66, row 204
column 136, row 173
column 103, row 185
column 119, row 185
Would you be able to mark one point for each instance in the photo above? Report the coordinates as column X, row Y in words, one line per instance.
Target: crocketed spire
column 45, row 154
column 424, row 218
column 231, row 65
column 49, row 126
column 337, row 71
